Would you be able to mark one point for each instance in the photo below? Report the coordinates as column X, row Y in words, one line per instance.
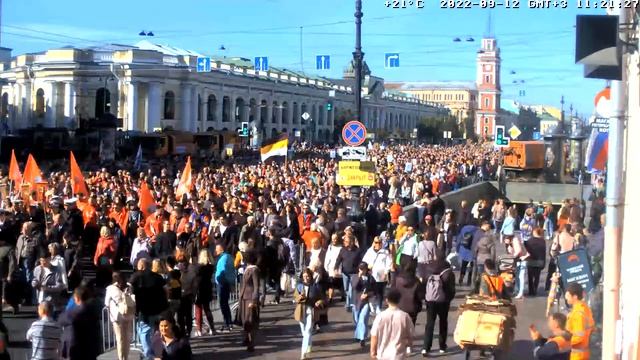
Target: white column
column 232, row 113
column 26, row 105
column 218, row 109
column 131, row 119
column 193, row 124
column 153, row 106
column 51, row 105
column 15, row 113
column 203, row 110
column 186, row 108
column 70, row 105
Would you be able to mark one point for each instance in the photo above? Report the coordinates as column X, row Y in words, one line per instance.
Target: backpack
column 126, row 305
column 435, row 288
column 467, row 240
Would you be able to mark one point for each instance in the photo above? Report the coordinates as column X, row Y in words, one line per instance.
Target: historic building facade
column 457, row 96
column 150, row 87
column 488, row 85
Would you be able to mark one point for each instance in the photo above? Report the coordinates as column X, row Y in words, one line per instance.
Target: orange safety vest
column 580, row 324
column 564, row 346
column 495, row 285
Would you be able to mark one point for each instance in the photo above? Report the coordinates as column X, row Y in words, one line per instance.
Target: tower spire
column 489, row 30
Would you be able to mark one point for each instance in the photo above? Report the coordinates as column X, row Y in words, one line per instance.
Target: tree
column 431, row 129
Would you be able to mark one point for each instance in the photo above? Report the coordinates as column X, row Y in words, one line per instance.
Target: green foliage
column 431, row 129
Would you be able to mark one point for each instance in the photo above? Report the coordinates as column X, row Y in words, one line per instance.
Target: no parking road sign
column 354, row 133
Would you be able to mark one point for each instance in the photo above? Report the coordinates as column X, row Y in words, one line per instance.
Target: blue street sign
column 536, row 135
column 391, row 60
column 323, row 62
column 203, row 64
column 261, row 63
column 354, row 133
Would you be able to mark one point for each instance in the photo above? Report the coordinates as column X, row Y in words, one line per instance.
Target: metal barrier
column 108, row 336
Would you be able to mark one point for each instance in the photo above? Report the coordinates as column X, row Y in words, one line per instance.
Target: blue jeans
column 145, row 331
column 224, row 291
column 521, row 278
column 306, row 328
column 361, row 320
column 346, row 288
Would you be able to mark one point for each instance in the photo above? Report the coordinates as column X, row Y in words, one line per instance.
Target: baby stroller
column 507, row 271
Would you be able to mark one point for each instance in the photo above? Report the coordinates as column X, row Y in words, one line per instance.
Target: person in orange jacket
column 579, row 322
column 395, row 210
column 153, row 223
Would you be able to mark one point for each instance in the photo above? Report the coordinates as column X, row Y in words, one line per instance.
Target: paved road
column 279, row 336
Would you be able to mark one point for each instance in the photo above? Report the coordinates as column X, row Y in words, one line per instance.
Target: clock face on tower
column 487, row 67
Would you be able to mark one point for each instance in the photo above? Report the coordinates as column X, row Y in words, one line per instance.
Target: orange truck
column 524, row 155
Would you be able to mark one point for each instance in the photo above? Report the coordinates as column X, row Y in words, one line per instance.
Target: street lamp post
column 356, row 210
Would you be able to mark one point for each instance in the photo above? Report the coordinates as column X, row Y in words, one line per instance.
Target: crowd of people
column 256, row 228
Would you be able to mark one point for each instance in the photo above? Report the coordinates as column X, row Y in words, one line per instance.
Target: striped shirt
column 44, row 335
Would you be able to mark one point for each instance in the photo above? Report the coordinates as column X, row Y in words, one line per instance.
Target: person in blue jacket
column 463, row 246
column 225, row 278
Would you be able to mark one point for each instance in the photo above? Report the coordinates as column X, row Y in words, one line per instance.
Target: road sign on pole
column 261, row 63
column 391, row 60
column 323, row 62
column 203, row 64
column 354, row 133
column 514, row 132
column 353, row 152
column 501, row 140
column 306, row 116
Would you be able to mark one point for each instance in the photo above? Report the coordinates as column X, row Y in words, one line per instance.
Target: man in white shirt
column 392, row 331
column 379, row 261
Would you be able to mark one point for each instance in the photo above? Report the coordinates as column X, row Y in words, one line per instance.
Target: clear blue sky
column 538, row 44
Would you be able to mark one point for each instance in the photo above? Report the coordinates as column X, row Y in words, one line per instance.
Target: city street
column 279, row 335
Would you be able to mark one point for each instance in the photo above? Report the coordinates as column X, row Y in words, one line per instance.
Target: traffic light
column 329, row 106
column 500, row 139
column 244, row 130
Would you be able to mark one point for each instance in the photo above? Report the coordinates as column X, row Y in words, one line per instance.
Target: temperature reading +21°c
column 404, row 4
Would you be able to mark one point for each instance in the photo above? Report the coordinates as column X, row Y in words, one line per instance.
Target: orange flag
column 146, row 203
column 186, row 181
column 77, row 179
column 122, row 218
column 32, row 173
column 14, row 170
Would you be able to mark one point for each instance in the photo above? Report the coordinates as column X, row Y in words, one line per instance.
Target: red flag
column 14, row 170
column 32, row 173
column 186, row 181
column 77, row 179
column 147, row 204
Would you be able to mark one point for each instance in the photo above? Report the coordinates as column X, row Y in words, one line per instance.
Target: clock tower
column 488, row 85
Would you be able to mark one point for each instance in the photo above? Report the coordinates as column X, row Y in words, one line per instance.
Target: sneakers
column 424, row 353
column 363, row 344
column 408, row 350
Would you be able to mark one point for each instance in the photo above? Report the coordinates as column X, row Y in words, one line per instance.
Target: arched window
column 103, row 100
column 4, row 110
column 199, row 109
column 264, row 112
column 274, row 112
column 285, row 113
column 212, row 104
column 226, row 109
column 40, row 103
column 486, row 103
column 296, row 113
column 239, row 110
column 169, row 105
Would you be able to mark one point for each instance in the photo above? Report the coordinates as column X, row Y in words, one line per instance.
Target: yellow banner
column 356, row 173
